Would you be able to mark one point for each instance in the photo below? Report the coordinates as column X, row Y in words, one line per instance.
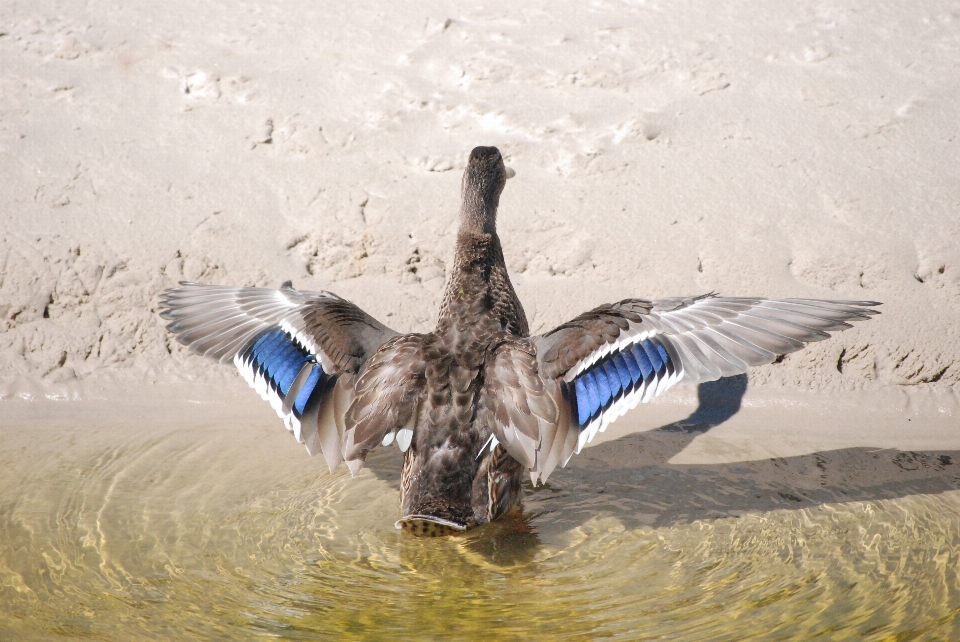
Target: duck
column 478, row 404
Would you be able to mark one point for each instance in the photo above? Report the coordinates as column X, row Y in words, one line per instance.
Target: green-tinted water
column 231, row 532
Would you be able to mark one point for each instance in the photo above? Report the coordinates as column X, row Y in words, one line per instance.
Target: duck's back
column 448, row 472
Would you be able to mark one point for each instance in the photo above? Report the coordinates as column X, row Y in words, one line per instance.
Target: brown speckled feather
column 449, row 473
column 346, row 334
column 520, row 405
column 386, row 395
column 561, row 348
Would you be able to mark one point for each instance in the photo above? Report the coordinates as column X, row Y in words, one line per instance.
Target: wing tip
column 354, row 465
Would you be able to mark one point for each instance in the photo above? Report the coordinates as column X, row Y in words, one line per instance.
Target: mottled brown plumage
column 345, row 333
column 568, row 343
column 476, row 403
column 444, row 475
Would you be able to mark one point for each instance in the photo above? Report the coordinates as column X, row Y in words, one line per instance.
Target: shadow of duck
column 632, row 480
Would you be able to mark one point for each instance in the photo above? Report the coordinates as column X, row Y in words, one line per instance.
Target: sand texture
column 751, row 148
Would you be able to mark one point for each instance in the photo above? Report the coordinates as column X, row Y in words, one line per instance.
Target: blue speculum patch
column 616, row 375
column 304, row 396
column 279, row 359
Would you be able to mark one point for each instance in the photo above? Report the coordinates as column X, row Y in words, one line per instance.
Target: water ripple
column 181, row 537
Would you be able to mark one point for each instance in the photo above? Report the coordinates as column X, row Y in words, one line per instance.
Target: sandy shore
column 660, row 149
column 720, row 427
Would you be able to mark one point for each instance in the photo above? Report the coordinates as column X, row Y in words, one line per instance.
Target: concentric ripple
column 206, row 532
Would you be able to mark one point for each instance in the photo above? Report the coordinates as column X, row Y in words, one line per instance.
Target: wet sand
column 860, row 438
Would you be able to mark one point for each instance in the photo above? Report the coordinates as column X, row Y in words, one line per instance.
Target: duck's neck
column 479, row 296
column 468, row 282
column 478, row 288
column 478, row 248
column 478, row 209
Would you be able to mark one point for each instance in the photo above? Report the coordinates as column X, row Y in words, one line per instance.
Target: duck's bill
column 429, row 526
column 509, row 172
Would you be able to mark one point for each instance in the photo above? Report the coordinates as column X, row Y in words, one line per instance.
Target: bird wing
column 606, row 361
column 302, row 351
column 518, row 404
column 386, row 398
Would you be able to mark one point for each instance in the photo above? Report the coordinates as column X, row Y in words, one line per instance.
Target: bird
column 478, row 404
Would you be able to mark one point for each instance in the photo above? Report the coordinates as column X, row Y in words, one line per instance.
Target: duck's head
column 483, row 182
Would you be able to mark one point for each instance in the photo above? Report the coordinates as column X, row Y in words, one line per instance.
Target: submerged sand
column 660, row 149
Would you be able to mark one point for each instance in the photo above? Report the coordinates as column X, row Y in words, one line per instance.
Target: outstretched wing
column 301, row 351
column 606, row 361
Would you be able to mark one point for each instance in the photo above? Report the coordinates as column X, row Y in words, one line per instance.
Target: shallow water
column 197, row 530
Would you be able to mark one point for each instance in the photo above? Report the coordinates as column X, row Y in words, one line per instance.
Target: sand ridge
column 660, row 149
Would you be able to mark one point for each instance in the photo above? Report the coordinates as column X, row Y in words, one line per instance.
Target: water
column 180, row 530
